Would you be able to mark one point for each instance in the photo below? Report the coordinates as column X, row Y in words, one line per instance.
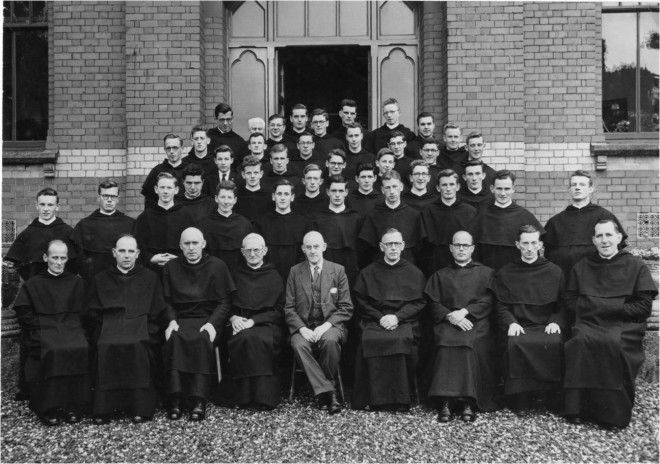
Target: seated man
column 610, row 294
column 390, row 298
column 49, row 308
column 126, row 306
column 464, row 369
column 197, row 289
column 318, row 305
column 257, row 326
column 528, row 292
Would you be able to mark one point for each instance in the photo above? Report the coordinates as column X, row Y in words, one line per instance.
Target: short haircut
column 320, row 112
column 384, row 151
column 347, row 102
column 279, row 148
column 311, row 167
column 197, row 129
column 173, row 136
column 430, row 140
column 222, row 108
column 337, row 152
column 226, row 185
column 391, row 101
column 285, row 182
column 473, row 163
column 473, row 135
column 446, row 173
column 355, row 125
column 390, row 176
column 527, row 229
column 253, row 120
column 251, row 160
column 167, row 175
column 451, row 125
column 223, row 149
column 416, row 163
column 425, row 114
column 394, row 134
column 254, row 135
column 299, row 106
column 272, row 117
column 365, row 166
column 336, row 179
column 126, row 235
column 108, row 184
column 582, row 173
column 389, row 231
column 56, row 242
column 504, row 174
column 607, row 221
column 192, row 169
column 305, row 134
column 48, row 192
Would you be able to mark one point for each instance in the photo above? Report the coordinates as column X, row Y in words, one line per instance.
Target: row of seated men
column 126, row 318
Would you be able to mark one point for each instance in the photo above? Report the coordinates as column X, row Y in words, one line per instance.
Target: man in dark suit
column 318, row 305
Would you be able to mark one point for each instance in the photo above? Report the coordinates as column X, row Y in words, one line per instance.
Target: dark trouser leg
column 303, row 351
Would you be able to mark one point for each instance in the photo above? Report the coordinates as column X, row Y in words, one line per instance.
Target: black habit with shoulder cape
column 386, row 360
column 495, row 231
column 95, row 236
column 340, row 231
column 195, row 294
column 568, row 235
column 531, row 296
column 126, row 312
column 49, row 310
column 283, row 234
column 611, row 300
column 224, row 236
column 465, row 361
column 255, row 353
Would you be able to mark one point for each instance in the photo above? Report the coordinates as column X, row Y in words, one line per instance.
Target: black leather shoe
column 198, row 412
column 51, row 419
column 139, row 419
column 174, row 411
column 468, row 414
column 334, row 406
column 323, row 401
column 574, row 419
column 101, row 420
column 444, row 414
column 71, row 417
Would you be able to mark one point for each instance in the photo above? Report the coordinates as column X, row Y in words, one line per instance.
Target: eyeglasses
column 396, row 144
column 461, row 246
column 318, row 122
column 172, row 148
column 225, row 120
column 316, row 247
column 305, row 143
column 392, row 244
column 252, row 251
column 109, row 197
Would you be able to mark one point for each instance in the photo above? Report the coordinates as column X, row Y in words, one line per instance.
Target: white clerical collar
column 192, row 198
column 106, row 214
column 475, row 191
column 608, row 257
column 392, row 264
column 365, row 193
column 168, row 206
column 318, row 192
column 285, row 212
column 395, row 206
column 581, row 206
column 252, row 189
column 53, row 274
column 418, row 193
column 223, row 214
column 203, row 155
column 127, row 270
column 255, row 267
column 49, row 222
column 312, row 266
column 445, row 201
column 499, row 205
column 528, row 261
column 337, row 209
column 462, row 265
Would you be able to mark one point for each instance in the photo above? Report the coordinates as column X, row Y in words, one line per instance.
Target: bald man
column 318, row 305
column 257, row 328
column 197, row 289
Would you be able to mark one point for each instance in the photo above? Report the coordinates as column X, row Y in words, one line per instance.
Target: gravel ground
column 298, row 432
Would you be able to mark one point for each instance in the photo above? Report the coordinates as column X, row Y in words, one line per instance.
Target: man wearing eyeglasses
column 224, row 135
column 380, row 137
column 464, row 375
column 419, row 196
column 305, row 154
column 257, row 328
column 277, row 135
column 390, row 297
column 173, row 165
column 323, row 142
column 95, row 235
column 397, row 143
column 318, row 306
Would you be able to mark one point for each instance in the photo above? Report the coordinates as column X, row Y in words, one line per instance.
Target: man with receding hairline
column 49, row 308
column 197, row 289
column 318, row 306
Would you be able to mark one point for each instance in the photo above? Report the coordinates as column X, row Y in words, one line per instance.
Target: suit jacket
column 336, row 301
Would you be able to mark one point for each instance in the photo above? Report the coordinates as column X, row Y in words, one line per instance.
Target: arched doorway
column 317, row 53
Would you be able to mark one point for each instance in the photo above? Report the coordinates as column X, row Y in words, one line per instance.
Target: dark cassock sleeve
column 259, row 294
column 411, row 309
column 25, row 313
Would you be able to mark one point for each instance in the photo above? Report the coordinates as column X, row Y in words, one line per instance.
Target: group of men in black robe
column 390, row 221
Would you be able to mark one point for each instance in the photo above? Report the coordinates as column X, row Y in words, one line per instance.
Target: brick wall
column 433, row 72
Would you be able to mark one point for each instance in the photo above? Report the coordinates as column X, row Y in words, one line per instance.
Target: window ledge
column 28, row 156
column 622, row 148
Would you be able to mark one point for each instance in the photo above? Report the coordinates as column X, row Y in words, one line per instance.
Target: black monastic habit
column 253, row 205
column 340, row 231
column 224, row 236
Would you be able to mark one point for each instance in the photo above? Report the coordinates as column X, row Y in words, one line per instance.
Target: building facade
column 541, row 81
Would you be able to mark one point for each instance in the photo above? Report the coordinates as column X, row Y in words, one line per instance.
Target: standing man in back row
column 347, row 113
column 380, row 137
column 224, row 135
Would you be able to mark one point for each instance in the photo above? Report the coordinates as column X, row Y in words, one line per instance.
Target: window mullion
column 638, row 80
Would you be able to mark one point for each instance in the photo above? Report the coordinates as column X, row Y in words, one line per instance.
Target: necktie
column 315, row 276
column 224, row 178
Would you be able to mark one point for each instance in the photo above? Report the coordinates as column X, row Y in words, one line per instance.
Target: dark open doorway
column 321, row 77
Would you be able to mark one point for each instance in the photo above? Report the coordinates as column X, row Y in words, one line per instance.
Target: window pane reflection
column 648, row 69
column 32, row 91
